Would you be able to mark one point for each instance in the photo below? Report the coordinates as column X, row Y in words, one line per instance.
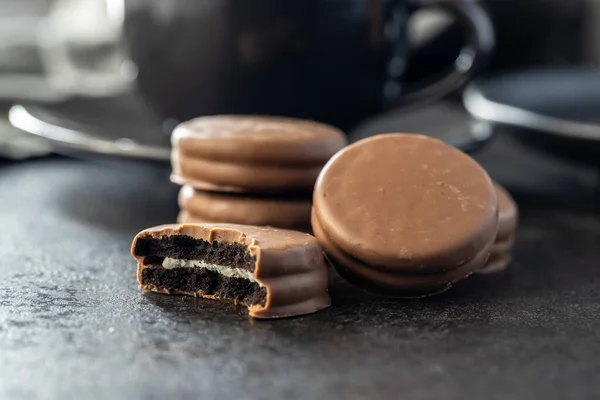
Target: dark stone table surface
column 74, row 325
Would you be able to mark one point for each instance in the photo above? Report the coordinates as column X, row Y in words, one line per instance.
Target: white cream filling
column 170, row 263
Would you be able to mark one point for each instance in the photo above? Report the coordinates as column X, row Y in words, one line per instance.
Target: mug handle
column 473, row 55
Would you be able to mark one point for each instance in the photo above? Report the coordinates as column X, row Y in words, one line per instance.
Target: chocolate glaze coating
column 394, row 284
column 234, row 177
column 258, row 140
column 402, row 202
column 185, row 217
column 281, row 212
column 288, row 264
column 252, row 153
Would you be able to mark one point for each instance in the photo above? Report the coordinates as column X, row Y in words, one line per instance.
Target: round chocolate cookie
column 405, row 208
column 500, row 255
column 281, row 212
column 252, row 153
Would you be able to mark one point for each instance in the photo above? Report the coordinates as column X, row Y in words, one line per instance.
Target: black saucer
column 556, row 110
column 445, row 120
column 111, row 129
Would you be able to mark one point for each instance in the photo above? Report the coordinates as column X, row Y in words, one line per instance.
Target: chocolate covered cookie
column 391, row 283
column 252, row 153
column 287, row 212
column 405, row 215
column 275, row 273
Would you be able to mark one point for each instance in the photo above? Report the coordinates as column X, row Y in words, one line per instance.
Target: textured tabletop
column 73, row 323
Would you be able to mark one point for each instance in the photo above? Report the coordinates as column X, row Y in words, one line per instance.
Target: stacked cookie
column 250, row 170
column 500, row 254
column 399, row 215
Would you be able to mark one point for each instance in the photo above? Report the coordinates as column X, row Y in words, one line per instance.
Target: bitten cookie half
column 275, row 273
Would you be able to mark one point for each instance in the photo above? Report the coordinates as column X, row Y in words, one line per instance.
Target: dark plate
column 116, row 129
column 446, row 120
column 557, row 111
column 16, row 144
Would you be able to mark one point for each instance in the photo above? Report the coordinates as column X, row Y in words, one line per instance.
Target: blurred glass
column 52, row 50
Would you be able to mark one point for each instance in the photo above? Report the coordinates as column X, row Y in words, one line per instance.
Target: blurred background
column 112, row 78
column 90, row 91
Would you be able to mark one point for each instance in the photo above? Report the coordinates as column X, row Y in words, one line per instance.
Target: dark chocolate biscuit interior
column 191, row 280
column 235, row 255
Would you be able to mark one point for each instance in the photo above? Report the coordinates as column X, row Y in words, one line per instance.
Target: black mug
column 336, row 61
